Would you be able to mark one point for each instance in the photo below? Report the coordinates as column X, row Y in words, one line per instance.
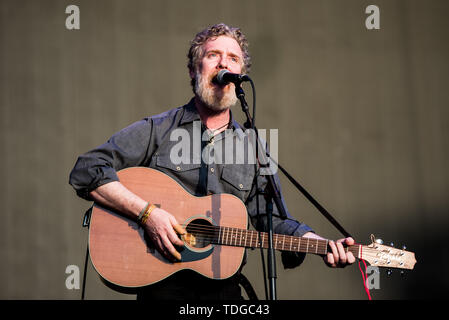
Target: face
column 220, row 53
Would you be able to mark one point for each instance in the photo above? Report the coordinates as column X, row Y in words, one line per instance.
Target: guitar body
column 123, row 256
column 214, row 244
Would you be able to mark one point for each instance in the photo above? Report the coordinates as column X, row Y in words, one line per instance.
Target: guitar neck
column 254, row 239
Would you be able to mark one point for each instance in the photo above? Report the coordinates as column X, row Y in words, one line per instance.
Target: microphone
column 224, row 77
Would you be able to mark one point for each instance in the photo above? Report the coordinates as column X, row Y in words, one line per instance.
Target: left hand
column 338, row 257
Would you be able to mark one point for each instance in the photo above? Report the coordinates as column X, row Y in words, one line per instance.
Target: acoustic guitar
column 215, row 241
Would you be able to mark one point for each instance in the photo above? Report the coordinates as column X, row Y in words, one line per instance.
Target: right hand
column 162, row 227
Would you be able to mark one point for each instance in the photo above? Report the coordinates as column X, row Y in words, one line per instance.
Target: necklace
column 216, row 129
column 212, row 132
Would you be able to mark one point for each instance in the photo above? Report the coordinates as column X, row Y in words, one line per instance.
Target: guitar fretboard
column 254, row 239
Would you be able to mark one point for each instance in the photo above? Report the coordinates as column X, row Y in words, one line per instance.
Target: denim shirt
column 155, row 142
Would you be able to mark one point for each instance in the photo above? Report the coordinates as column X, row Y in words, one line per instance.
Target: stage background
column 362, row 118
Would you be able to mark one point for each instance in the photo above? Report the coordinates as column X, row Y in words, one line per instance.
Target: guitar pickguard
column 187, row 254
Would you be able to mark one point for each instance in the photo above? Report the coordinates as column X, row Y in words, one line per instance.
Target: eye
column 234, row 59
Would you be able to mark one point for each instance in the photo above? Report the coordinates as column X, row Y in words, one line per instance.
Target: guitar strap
column 244, row 282
column 86, row 223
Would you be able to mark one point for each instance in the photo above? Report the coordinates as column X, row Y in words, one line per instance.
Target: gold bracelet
column 147, row 214
column 139, row 218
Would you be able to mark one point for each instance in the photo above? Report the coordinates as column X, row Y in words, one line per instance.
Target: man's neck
column 214, row 120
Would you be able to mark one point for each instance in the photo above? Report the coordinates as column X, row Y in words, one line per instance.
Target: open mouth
column 213, row 81
column 215, row 84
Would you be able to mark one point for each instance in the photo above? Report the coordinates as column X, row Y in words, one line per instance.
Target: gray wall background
column 362, row 118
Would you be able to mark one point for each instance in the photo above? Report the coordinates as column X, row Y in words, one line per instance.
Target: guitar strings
column 209, row 233
column 212, row 231
column 367, row 252
column 233, row 237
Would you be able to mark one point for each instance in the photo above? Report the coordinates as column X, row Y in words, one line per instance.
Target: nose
column 223, row 62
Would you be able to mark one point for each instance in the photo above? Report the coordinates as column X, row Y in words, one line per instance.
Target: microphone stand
column 271, row 194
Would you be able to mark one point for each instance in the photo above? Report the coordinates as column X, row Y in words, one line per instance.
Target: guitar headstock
column 380, row 255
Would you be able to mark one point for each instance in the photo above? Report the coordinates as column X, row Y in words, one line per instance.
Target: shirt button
column 212, row 170
column 241, row 186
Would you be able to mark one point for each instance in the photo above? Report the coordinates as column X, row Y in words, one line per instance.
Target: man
column 147, row 143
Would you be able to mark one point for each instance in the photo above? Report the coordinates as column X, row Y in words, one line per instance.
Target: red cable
column 364, row 274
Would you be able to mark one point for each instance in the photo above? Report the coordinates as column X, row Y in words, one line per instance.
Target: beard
column 214, row 97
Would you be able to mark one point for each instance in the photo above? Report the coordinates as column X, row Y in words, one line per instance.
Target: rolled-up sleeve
column 126, row 148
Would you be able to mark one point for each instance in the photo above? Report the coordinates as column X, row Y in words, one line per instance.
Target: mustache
column 210, row 79
column 213, row 78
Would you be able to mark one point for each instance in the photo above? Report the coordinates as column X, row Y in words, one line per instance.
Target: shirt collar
column 191, row 114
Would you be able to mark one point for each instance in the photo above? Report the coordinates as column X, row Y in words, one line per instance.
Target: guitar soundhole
column 199, row 233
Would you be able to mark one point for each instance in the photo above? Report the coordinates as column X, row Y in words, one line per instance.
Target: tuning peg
column 389, row 272
column 379, row 241
column 404, row 247
column 402, row 273
column 391, row 244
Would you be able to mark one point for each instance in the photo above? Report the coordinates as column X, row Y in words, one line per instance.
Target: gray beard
column 212, row 98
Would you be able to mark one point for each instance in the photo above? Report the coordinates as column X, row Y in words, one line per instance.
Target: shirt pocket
column 239, row 178
column 187, row 175
column 163, row 161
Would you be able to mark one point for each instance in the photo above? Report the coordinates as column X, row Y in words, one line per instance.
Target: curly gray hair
column 196, row 46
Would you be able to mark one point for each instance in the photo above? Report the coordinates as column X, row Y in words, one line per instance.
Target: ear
column 196, row 68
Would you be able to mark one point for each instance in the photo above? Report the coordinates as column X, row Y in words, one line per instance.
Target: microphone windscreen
column 220, row 76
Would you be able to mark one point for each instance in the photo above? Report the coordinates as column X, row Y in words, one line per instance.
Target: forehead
column 223, row 44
